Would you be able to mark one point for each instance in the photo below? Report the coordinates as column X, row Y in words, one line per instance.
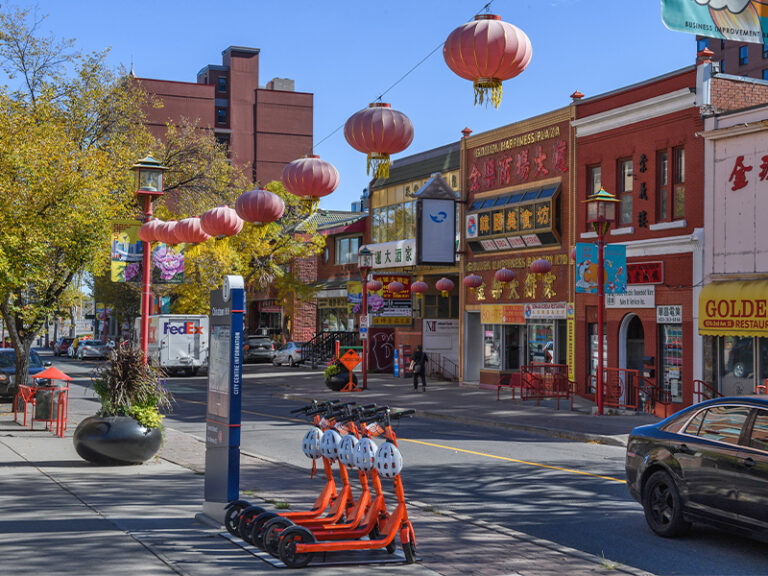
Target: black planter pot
column 116, row 440
column 338, row 381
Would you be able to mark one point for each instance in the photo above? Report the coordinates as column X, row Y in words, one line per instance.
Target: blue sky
column 348, row 52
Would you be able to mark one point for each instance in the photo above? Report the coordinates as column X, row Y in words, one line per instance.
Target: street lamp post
column 365, row 263
column 149, row 185
column 601, row 213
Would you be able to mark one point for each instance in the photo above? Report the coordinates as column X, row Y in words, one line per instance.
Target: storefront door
column 512, row 347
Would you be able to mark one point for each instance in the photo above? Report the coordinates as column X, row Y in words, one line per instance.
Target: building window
column 221, row 83
column 435, row 306
column 625, row 192
column 765, row 74
column 221, row 115
column 743, row 55
column 454, row 181
column 595, row 180
column 765, row 51
column 671, row 364
column 722, row 66
column 722, row 44
column 662, row 185
column 492, row 346
column 678, row 196
column 702, row 43
column 346, row 250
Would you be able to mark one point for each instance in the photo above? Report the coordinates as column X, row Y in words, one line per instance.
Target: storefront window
column 592, row 329
column 541, row 343
column 762, row 344
column 710, row 360
column 737, row 371
column 492, row 346
column 671, row 364
column 511, row 347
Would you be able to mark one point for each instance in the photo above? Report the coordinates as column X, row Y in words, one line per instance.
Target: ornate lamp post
column 365, row 263
column 149, row 185
column 601, row 213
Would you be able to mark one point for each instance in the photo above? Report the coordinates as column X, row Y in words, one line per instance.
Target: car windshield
column 8, row 359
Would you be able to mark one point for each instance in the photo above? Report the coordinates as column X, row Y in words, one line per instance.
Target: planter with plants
column 337, row 376
column 128, row 427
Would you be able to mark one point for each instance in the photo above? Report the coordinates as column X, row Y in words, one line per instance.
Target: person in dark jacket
column 419, row 369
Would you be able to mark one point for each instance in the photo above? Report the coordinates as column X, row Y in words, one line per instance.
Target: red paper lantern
column 310, row 177
column 259, row 206
column 540, row 266
column 221, row 221
column 165, row 232
column 189, row 231
column 445, row 285
column 473, row 281
column 379, row 131
column 395, row 287
column 148, row 230
column 487, row 51
column 419, row 287
column 504, row 275
column 373, row 286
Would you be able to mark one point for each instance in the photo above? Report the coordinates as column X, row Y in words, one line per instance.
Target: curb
column 619, row 441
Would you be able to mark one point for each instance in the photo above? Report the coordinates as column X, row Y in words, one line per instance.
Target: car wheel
column 740, row 370
column 275, row 363
column 290, row 361
column 662, row 506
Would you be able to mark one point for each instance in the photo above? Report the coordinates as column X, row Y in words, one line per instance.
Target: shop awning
column 734, row 309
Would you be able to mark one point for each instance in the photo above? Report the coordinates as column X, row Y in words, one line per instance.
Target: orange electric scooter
column 253, row 519
column 298, row 544
column 364, row 518
column 240, row 513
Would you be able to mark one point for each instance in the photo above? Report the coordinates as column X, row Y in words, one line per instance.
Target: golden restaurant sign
column 734, row 309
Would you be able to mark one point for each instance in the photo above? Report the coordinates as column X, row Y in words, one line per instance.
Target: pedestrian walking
column 419, row 368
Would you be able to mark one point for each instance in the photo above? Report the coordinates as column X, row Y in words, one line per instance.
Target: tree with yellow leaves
column 69, row 132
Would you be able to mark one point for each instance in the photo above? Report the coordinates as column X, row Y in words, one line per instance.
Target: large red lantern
column 540, row 266
column 379, row 131
column 473, row 281
column 373, row 286
column 395, row 287
column 259, row 206
column 504, row 275
column 445, row 285
column 189, row 231
column 310, row 178
column 419, row 287
column 221, row 221
column 165, row 232
column 148, row 230
column 487, row 51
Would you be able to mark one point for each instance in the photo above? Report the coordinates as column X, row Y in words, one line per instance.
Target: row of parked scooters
column 343, row 435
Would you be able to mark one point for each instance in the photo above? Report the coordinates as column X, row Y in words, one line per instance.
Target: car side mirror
column 49, row 363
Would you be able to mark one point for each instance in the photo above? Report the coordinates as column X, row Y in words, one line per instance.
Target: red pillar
column 365, row 340
column 600, row 320
column 146, row 278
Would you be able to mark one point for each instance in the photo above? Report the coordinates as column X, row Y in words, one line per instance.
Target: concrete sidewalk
column 62, row 515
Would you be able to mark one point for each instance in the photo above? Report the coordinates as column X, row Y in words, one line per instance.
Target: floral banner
column 127, row 254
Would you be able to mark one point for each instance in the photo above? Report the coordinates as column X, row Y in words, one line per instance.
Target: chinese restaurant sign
column 740, row 20
column 390, row 309
column 393, row 254
column 645, row 273
column 502, row 314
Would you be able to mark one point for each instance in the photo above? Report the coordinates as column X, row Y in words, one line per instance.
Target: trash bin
column 44, row 401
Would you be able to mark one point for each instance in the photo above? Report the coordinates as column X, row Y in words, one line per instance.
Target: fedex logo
column 185, row 328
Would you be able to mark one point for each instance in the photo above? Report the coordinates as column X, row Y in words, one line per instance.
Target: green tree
column 69, row 132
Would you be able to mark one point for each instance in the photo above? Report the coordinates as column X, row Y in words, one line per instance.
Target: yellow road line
column 432, row 445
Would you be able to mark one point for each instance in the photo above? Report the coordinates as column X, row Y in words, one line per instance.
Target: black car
column 8, row 370
column 707, row 463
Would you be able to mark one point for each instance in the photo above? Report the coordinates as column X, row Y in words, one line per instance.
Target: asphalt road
column 570, row 493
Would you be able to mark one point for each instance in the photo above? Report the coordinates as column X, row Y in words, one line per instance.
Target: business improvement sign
column 740, row 20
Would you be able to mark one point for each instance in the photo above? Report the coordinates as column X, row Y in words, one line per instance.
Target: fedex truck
column 178, row 343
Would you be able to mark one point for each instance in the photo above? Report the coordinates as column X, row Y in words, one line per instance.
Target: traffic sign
column 350, row 359
column 363, row 321
column 363, row 332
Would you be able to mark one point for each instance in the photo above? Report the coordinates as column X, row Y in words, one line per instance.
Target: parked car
column 258, row 349
column 91, row 349
column 707, row 463
column 289, row 353
column 60, row 348
column 8, row 370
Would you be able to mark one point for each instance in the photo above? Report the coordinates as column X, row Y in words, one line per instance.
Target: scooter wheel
column 254, row 535
column 288, row 541
column 247, row 516
column 409, row 549
column 271, row 533
column 232, row 516
column 375, row 534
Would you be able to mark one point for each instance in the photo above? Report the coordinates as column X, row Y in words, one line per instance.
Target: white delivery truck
column 178, row 343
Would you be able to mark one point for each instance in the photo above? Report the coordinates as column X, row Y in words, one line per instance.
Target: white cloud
column 733, row 6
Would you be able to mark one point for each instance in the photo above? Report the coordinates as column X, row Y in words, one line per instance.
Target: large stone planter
column 116, row 440
column 338, row 381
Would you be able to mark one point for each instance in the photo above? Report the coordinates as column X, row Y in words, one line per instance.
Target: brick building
column 264, row 127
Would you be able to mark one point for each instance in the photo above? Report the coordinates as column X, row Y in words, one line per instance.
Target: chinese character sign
column 387, row 308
